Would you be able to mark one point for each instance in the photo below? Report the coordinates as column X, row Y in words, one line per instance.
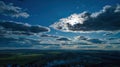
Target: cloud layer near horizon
column 107, row 19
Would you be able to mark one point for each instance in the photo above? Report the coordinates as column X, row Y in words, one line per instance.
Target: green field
column 61, row 58
column 22, row 58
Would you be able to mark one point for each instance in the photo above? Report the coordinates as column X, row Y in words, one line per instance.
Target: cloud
column 83, row 43
column 113, row 38
column 47, row 35
column 6, row 39
column 96, row 41
column 88, row 41
column 106, row 19
column 116, row 43
column 17, row 41
column 12, row 42
column 80, row 38
column 21, row 28
column 108, row 46
column 89, row 46
column 63, row 39
column 21, row 33
column 52, row 47
column 108, row 34
column 11, row 10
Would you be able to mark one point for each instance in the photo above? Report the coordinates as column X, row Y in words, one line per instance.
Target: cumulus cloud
column 11, row 10
column 107, row 19
column 21, row 28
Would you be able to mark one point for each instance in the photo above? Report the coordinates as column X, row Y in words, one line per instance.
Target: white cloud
column 106, row 19
column 11, row 10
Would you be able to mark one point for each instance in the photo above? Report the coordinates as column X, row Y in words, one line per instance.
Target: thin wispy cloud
column 12, row 11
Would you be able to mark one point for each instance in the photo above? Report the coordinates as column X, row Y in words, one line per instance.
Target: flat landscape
column 59, row 58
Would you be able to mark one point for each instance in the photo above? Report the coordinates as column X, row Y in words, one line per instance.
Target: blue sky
column 53, row 16
column 45, row 12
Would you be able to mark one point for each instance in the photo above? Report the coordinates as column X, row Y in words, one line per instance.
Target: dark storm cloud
column 63, row 39
column 21, row 28
column 11, row 10
column 107, row 19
